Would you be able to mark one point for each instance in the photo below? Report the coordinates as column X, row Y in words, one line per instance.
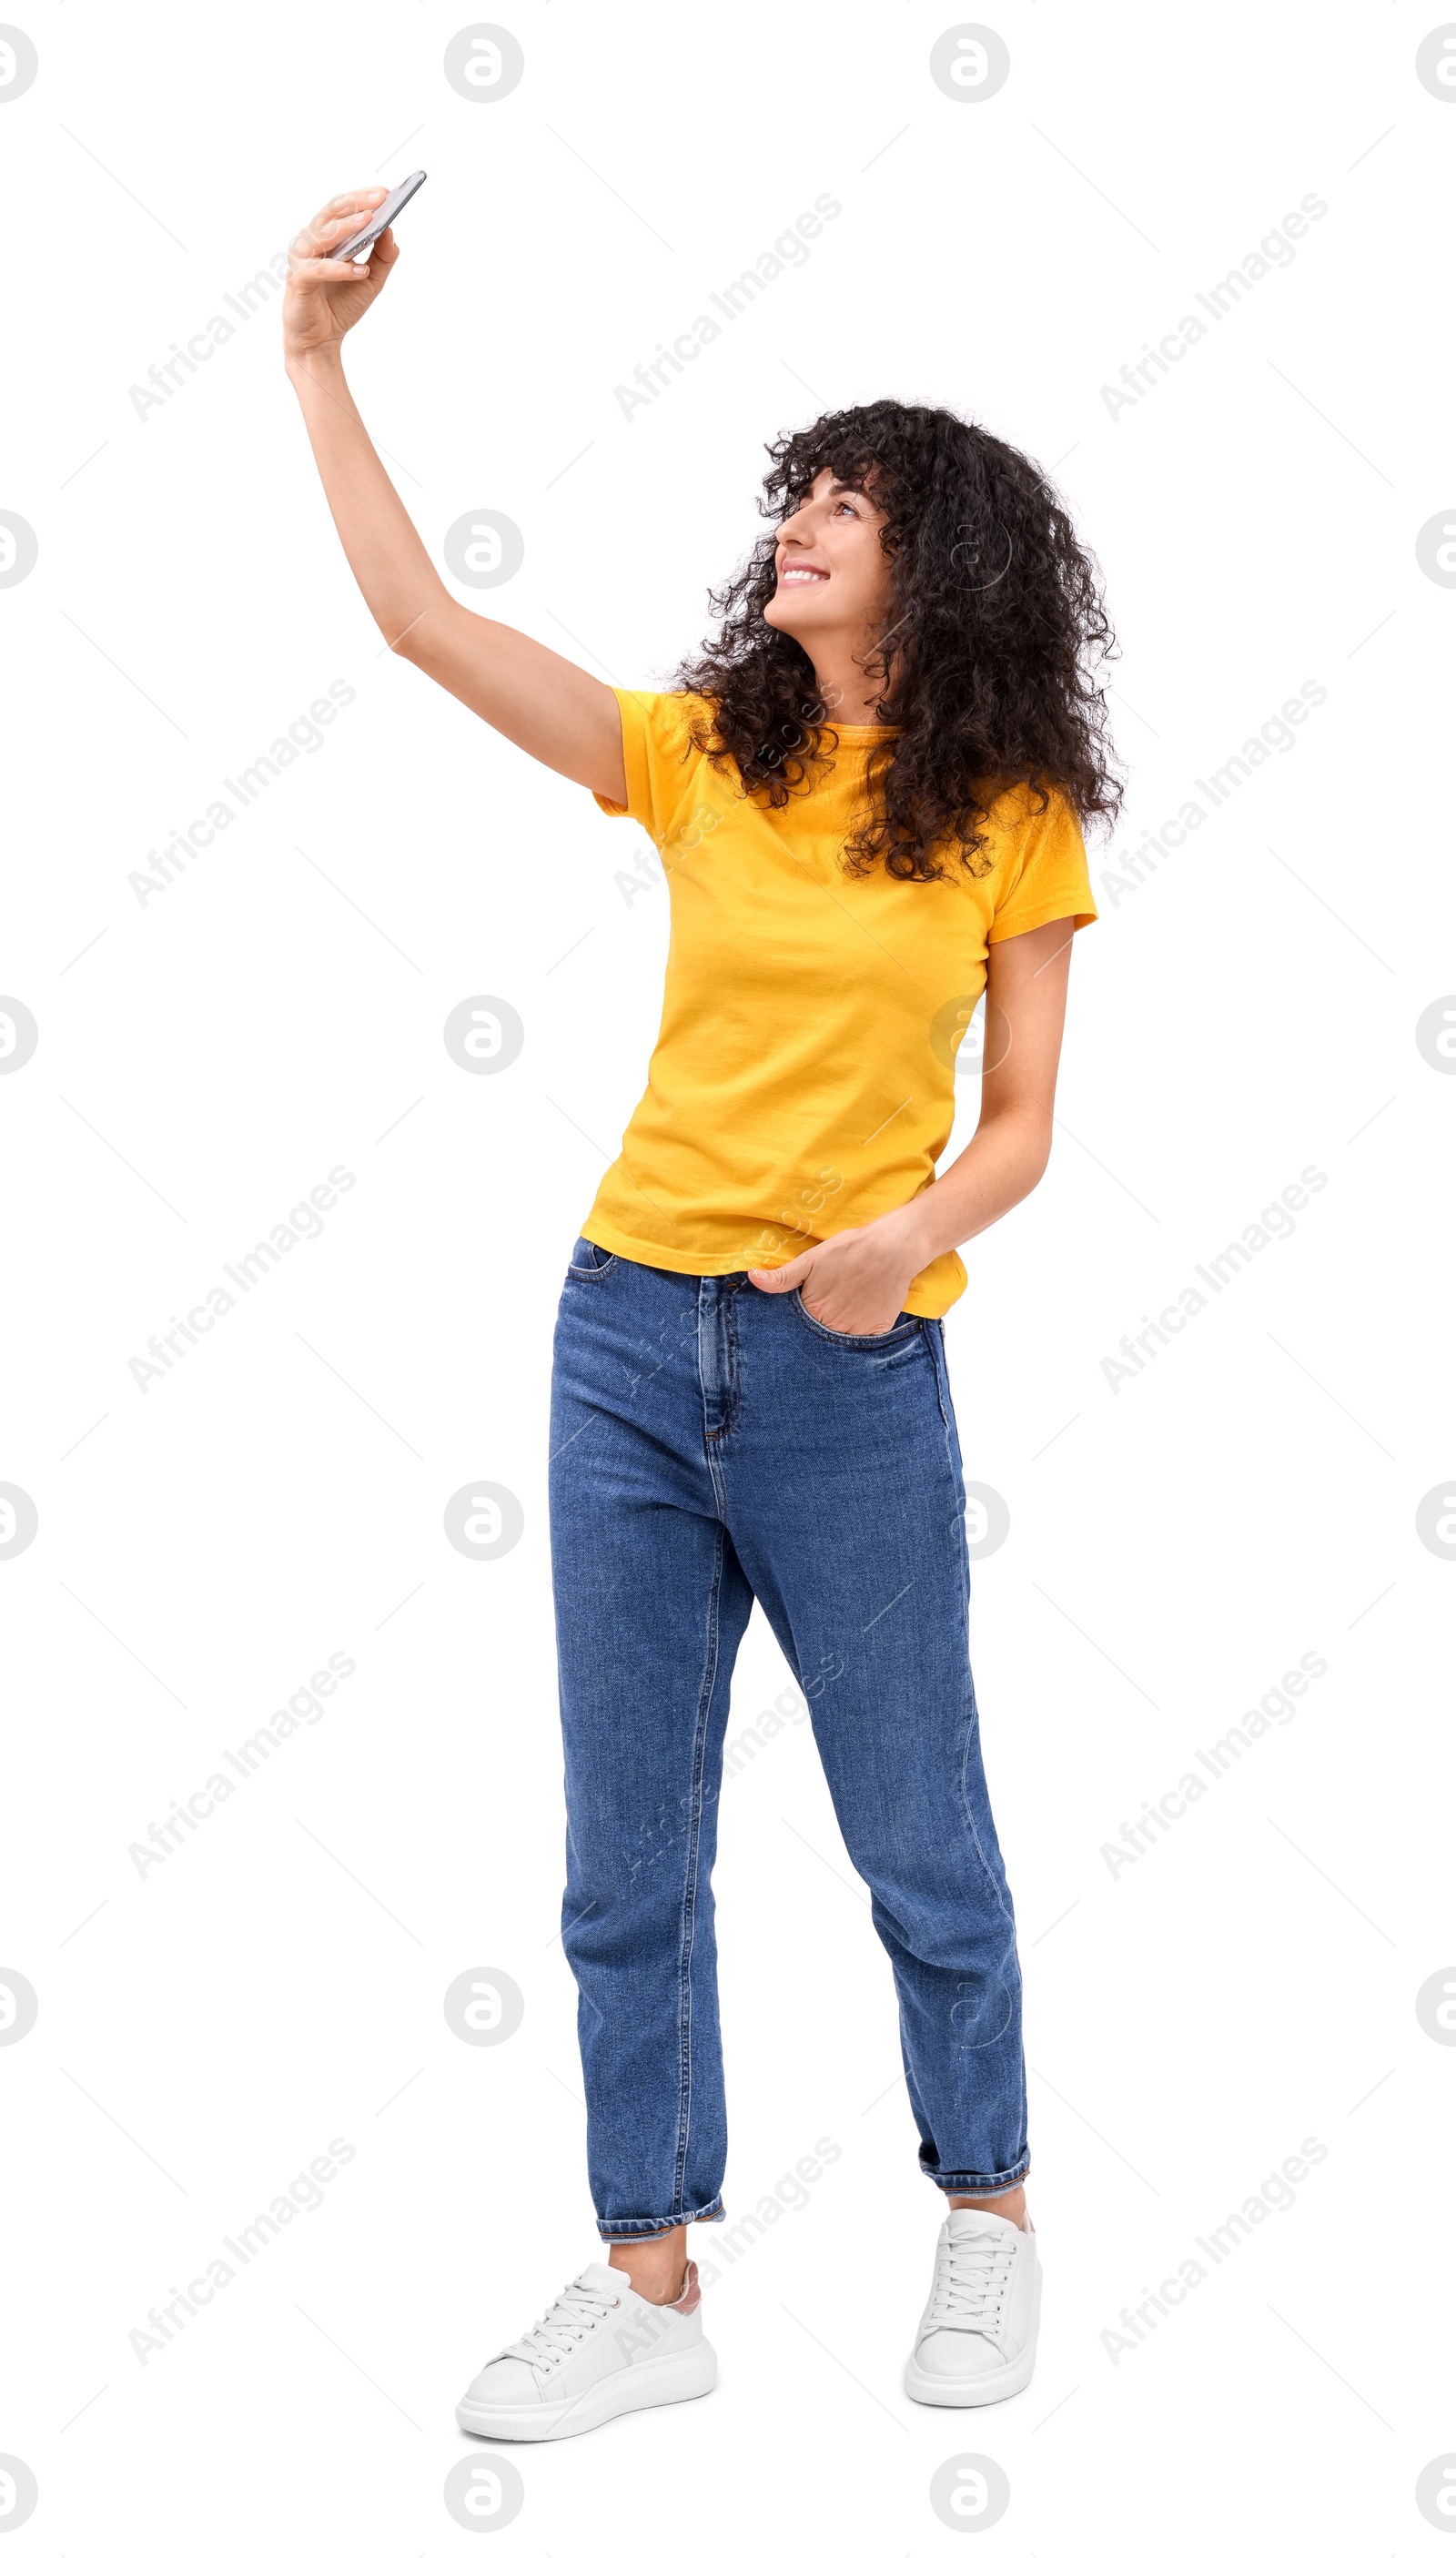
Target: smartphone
column 380, row 218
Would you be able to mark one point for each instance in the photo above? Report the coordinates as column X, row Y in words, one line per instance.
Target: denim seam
column 729, row 1318
column 689, row 1881
column 942, row 1383
column 943, row 1390
column 970, row 1728
column 650, row 2228
column 957, row 2184
column 593, row 1272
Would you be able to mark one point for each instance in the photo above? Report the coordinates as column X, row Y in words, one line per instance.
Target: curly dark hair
column 996, row 631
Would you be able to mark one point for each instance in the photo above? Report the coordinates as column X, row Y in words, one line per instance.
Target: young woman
column 866, row 796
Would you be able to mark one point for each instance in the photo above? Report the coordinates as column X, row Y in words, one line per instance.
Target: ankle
column 1010, row 2206
column 656, row 2268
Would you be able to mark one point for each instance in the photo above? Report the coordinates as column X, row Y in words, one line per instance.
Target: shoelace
column 972, row 2281
column 569, row 2321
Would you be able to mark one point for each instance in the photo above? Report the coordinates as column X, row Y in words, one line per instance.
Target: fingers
column 322, row 273
column 326, row 271
column 334, row 221
column 787, row 1274
column 357, row 199
column 377, row 260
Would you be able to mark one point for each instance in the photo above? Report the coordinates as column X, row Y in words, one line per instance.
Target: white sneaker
column 600, row 2350
column 977, row 2340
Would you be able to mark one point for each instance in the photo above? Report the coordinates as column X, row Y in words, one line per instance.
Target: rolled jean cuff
column 982, row 2183
column 621, row 2233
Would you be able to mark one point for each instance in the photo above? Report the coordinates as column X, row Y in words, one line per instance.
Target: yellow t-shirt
column 803, row 1079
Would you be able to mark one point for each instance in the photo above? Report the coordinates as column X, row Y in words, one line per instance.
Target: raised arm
column 539, row 700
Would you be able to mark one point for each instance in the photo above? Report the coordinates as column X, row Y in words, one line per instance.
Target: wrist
column 310, row 363
column 911, row 1227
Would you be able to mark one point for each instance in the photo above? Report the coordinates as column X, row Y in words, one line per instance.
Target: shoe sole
column 644, row 2384
column 943, row 2389
column 982, row 2388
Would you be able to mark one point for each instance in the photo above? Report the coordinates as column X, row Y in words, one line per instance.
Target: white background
column 205, row 1057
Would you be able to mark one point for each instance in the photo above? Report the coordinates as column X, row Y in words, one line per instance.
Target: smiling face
column 834, row 579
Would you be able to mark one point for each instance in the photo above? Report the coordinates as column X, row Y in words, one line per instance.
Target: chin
column 785, row 613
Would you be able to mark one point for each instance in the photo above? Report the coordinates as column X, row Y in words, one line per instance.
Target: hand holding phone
column 380, row 218
column 327, row 293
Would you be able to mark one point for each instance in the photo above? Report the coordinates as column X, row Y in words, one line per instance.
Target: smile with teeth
column 799, row 575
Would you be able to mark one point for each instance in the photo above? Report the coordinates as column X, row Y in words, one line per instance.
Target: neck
column 846, row 687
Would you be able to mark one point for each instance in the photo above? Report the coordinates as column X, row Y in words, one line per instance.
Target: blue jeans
column 710, row 1445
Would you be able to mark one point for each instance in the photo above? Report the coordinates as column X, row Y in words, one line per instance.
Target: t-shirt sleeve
column 660, row 758
column 1044, row 872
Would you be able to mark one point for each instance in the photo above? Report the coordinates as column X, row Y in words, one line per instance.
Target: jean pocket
column 901, row 1329
column 589, row 1261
